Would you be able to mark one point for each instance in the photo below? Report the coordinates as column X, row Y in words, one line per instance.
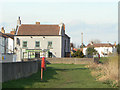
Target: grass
column 107, row 72
column 103, row 60
column 59, row 76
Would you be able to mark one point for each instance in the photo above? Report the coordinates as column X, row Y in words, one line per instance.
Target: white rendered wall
column 100, row 50
column 10, row 45
column 56, row 44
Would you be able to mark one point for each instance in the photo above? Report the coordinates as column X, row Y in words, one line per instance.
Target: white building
column 31, row 39
column 6, row 43
column 2, row 44
column 104, row 49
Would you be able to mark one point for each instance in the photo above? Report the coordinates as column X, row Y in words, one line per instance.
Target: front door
column 37, row 54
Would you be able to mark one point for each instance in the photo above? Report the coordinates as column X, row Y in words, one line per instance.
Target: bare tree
column 73, row 45
column 96, row 41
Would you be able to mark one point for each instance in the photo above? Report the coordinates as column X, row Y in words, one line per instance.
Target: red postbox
column 43, row 66
column 43, row 63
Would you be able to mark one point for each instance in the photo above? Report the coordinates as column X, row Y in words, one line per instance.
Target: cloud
column 101, row 31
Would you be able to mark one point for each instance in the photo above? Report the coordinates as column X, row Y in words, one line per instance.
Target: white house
column 104, row 49
column 32, row 39
column 2, row 45
column 6, row 42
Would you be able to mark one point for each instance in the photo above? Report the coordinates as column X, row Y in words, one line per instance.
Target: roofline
column 41, row 35
column 67, row 36
column 41, row 24
column 6, row 35
column 37, row 35
column 98, row 46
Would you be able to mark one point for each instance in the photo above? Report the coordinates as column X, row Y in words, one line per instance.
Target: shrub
column 118, row 48
column 78, row 54
column 91, row 51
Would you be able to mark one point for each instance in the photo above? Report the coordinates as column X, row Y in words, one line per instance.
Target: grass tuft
column 106, row 71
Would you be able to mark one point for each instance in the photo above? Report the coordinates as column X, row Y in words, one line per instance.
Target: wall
column 71, row 60
column 9, row 58
column 2, row 42
column 56, row 43
column 65, row 48
column 0, row 49
column 10, row 45
column 16, row 70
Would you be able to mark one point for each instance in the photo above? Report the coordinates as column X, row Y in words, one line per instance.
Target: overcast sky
column 97, row 19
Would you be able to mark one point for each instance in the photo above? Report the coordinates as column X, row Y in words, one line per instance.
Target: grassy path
column 59, row 76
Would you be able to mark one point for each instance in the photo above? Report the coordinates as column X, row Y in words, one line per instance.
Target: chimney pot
column 19, row 21
column 12, row 32
column 38, row 23
column 2, row 30
column 91, row 43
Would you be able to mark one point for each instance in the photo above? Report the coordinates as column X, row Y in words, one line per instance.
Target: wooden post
column 41, row 73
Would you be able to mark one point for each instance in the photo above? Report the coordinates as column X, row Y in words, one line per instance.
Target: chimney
column 38, row 23
column 2, row 30
column 63, row 26
column 19, row 21
column 91, row 43
column 12, row 32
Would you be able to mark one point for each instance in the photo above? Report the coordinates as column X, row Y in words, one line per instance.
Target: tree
column 82, row 46
column 91, row 51
column 118, row 48
column 72, row 45
column 96, row 41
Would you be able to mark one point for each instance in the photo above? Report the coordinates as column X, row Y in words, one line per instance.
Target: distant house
column 6, row 43
column 104, row 49
column 36, row 40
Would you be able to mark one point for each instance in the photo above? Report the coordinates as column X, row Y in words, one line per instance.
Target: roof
column 100, row 45
column 38, row 29
column 6, row 35
column 67, row 36
column 75, row 49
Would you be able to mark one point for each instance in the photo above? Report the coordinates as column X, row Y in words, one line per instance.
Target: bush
column 78, row 54
column 118, row 48
column 91, row 51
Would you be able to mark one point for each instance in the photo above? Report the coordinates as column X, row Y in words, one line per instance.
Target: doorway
column 37, row 54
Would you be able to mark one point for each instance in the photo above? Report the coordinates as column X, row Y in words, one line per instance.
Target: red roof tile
column 38, row 29
column 100, row 45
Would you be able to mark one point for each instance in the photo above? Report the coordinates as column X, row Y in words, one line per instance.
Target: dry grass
column 107, row 72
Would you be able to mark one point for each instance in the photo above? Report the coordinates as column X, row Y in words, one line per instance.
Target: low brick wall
column 71, row 60
column 16, row 70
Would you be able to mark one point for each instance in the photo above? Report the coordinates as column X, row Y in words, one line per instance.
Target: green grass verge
column 103, row 60
column 59, row 76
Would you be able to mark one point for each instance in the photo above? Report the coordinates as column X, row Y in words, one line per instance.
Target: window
column 24, row 44
column 37, row 44
column 18, row 41
column 49, row 44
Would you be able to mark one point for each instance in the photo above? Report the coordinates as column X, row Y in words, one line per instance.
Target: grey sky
column 96, row 19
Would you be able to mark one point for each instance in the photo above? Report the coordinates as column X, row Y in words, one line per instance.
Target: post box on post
column 43, row 66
